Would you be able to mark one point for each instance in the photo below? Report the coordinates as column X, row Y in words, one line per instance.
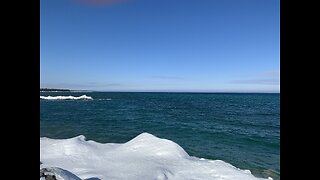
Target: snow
column 144, row 157
column 65, row 97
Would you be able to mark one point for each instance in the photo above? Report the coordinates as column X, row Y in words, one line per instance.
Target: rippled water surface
column 241, row 129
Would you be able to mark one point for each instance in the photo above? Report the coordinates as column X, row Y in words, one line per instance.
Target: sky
column 160, row 45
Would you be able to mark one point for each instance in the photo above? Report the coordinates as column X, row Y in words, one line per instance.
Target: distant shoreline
column 54, row 90
column 187, row 92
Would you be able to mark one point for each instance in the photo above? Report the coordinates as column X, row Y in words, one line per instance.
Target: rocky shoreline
column 55, row 173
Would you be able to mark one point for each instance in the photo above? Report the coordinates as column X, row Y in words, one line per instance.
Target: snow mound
column 144, row 157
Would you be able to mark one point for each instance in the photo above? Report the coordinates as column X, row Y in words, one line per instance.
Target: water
column 241, row 129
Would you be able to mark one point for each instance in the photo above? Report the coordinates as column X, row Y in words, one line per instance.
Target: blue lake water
column 241, row 129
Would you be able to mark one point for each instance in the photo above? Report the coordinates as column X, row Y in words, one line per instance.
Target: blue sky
column 160, row 45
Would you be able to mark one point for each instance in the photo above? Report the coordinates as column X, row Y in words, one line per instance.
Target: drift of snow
column 144, row 157
column 66, row 97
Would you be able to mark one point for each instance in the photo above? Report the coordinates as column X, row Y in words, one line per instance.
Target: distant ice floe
column 144, row 157
column 66, row 97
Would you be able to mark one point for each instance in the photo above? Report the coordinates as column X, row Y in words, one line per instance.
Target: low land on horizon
column 153, row 91
column 54, row 89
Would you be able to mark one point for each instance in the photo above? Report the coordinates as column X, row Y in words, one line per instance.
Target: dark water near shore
column 241, row 129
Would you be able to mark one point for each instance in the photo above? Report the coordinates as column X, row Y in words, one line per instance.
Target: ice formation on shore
column 144, row 157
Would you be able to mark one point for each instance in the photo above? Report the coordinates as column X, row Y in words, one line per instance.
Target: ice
column 66, row 97
column 145, row 157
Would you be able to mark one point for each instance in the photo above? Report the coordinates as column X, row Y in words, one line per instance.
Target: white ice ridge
column 145, row 157
column 66, row 97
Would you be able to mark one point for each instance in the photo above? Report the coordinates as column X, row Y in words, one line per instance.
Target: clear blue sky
column 160, row 45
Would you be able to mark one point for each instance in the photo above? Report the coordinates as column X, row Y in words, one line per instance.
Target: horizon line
column 168, row 91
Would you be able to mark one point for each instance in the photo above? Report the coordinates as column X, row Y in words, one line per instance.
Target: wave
column 144, row 157
column 66, row 97
column 107, row 99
